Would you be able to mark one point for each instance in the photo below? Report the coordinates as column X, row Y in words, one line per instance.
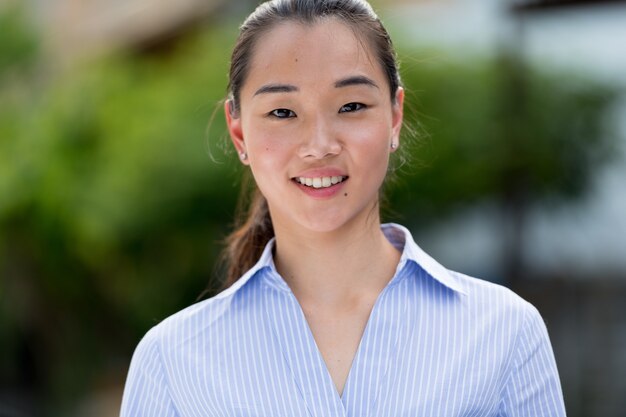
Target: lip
column 320, row 172
column 320, row 193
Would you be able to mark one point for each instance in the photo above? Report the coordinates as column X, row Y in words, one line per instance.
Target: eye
column 351, row 107
column 282, row 113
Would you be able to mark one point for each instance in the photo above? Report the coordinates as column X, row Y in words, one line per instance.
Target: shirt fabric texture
column 437, row 343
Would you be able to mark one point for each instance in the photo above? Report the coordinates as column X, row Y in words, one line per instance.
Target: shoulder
column 454, row 294
column 486, row 295
column 498, row 311
column 218, row 313
column 503, row 325
column 162, row 358
column 205, row 323
column 456, row 300
column 177, row 352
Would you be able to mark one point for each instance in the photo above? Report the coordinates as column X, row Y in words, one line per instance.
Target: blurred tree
column 18, row 43
column 18, row 53
column 111, row 211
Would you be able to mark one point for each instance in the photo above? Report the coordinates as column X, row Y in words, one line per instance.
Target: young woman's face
column 317, row 124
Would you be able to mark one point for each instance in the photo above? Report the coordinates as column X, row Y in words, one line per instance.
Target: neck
column 329, row 268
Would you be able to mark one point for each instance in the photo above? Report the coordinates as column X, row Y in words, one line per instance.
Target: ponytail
column 245, row 245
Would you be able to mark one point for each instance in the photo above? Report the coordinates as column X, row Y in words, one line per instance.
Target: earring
column 394, row 145
column 243, row 156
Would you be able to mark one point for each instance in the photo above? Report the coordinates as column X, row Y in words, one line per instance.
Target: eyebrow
column 276, row 88
column 355, row 80
column 344, row 82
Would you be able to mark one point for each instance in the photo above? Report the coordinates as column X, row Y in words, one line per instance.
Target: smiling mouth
column 320, row 182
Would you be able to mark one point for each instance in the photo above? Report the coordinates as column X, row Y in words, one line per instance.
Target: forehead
column 311, row 54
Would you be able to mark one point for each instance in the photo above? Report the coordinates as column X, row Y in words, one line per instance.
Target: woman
column 330, row 313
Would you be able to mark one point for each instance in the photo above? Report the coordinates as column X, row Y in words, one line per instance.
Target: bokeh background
column 117, row 184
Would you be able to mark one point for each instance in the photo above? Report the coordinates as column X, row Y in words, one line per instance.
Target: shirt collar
column 401, row 238
column 266, row 261
column 398, row 236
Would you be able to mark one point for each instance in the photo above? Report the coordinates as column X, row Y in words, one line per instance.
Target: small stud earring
column 243, row 156
column 394, row 145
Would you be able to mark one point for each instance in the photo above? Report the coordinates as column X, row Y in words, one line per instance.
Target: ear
column 397, row 117
column 233, row 122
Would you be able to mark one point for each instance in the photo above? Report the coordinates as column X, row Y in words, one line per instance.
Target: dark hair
column 254, row 228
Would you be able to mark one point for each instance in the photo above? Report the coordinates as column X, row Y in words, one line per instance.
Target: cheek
column 375, row 131
column 263, row 144
column 373, row 137
column 269, row 154
column 378, row 161
column 373, row 148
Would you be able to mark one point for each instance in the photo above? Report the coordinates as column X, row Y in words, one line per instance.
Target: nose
column 319, row 140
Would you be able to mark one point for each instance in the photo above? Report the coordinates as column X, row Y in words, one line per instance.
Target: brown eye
column 282, row 113
column 350, row 107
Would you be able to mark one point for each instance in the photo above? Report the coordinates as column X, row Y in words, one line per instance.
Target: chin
column 324, row 227
column 323, row 224
column 320, row 220
column 329, row 223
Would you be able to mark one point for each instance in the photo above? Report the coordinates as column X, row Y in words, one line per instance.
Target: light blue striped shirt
column 437, row 343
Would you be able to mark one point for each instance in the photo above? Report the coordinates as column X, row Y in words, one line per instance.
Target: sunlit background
column 117, row 184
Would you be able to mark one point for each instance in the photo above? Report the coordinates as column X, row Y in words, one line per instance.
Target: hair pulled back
column 254, row 227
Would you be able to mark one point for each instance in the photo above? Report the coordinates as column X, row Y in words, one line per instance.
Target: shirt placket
column 376, row 355
column 297, row 344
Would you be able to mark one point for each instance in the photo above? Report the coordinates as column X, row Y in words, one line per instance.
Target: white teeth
column 320, row 182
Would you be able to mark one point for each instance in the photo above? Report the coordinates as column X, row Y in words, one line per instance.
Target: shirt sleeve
column 146, row 393
column 533, row 388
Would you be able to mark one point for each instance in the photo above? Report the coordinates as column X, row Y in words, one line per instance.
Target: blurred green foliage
column 18, row 43
column 497, row 130
column 111, row 208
